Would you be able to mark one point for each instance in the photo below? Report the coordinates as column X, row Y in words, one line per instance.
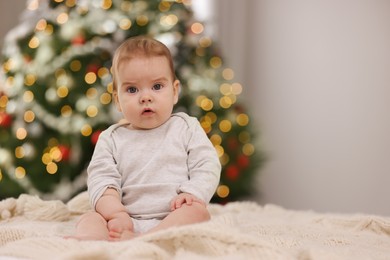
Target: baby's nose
column 146, row 98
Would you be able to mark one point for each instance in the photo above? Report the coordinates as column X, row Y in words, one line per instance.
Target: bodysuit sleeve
column 203, row 164
column 102, row 170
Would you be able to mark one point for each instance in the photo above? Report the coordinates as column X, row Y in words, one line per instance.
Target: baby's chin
column 147, row 123
column 144, row 127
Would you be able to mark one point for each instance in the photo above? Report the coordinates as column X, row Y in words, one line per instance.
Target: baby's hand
column 184, row 198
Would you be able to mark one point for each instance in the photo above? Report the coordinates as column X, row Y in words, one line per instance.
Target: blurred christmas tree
column 57, row 95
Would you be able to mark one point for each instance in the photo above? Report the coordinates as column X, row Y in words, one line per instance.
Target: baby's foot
column 124, row 235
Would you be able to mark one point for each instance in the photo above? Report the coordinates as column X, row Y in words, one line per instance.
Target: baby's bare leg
column 186, row 214
column 91, row 226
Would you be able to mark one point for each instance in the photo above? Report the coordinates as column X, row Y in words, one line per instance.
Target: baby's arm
column 111, row 208
column 203, row 164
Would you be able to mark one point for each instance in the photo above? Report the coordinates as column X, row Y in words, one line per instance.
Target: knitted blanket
column 31, row 228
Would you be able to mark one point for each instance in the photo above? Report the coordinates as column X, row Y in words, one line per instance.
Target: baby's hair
column 139, row 46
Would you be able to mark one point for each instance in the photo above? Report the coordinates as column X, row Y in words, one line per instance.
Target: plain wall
column 10, row 12
column 317, row 81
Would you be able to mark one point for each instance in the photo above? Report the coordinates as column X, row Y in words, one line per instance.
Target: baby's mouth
column 147, row 111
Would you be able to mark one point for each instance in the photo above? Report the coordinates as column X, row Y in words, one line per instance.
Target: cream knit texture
column 31, row 228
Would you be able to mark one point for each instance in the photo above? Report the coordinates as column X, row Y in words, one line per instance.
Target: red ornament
column 95, row 136
column 5, row 119
column 78, row 40
column 243, row 161
column 239, row 109
column 27, row 58
column 65, row 152
column 232, row 143
column 93, row 68
column 232, row 172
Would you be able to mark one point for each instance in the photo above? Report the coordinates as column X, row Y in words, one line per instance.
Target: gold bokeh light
column 220, row 150
column 20, row 172
column 197, row 28
column 242, row 119
column 55, row 154
column 142, row 20
column 3, row 101
column 66, row 111
column 75, row 65
column 228, row 74
column 216, row 139
column 106, row 4
column 62, row 91
column 206, row 104
column 248, row 149
column 21, row 133
column 28, row 96
column 223, row 191
column 215, row 62
column 92, row 111
column 34, row 42
column 41, row 25
column 86, row 130
column 244, row 137
column 125, row 24
column 62, row 18
column 105, row 98
column 29, row 116
column 19, row 152
column 225, row 125
column 90, row 77
column 30, row 79
column 51, row 168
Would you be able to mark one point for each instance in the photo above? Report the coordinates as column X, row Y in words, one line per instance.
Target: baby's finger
column 179, row 202
column 189, row 200
column 173, row 202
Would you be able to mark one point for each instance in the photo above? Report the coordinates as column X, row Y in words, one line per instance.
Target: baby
column 157, row 169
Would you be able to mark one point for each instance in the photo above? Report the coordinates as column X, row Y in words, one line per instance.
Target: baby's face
column 146, row 91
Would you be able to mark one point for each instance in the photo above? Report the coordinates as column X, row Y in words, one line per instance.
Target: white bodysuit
column 150, row 167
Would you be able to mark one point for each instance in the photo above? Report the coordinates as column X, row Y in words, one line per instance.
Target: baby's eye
column 157, row 86
column 131, row 89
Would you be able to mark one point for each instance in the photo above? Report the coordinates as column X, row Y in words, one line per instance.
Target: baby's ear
column 176, row 90
column 116, row 100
